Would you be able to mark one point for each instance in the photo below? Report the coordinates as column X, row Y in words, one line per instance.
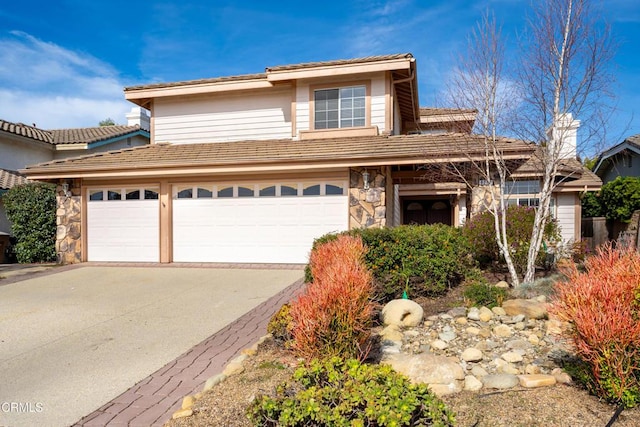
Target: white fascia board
column 196, row 89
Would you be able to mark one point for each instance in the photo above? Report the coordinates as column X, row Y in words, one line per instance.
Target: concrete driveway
column 75, row 339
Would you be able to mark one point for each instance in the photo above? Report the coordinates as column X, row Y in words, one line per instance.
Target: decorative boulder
column 529, row 307
column 402, row 312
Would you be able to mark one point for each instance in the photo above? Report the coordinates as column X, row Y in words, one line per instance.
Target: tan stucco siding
column 248, row 116
column 16, row 153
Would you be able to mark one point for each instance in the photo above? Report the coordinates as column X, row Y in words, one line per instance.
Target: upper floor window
column 339, row 108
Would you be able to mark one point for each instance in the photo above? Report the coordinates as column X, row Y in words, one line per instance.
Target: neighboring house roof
column 9, row 179
column 90, row 135
column 631, row 144
column 21, row 129
column 242, row 156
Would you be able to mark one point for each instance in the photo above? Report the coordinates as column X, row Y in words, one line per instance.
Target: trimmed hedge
column 423, row 260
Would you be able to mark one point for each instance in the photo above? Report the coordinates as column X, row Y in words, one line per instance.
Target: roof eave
column 143, row 95
column 340, row 70
column 248, row 167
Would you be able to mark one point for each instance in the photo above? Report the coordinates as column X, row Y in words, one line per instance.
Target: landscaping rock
column 500, row 381
column 471, row 383
column 427, row 368
column 536, row 380
column 471, row 355
column 402, row 312
column 502, row 284
column 531, row 308
column 485, row 314
column 506, row 346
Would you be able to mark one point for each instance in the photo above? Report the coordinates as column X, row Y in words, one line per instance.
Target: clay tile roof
column 250, row 154
column 89, row 135
column 9, row 179
column 257, row 76
column 336, row 62
column 261, row 76
column 67, row 136
column 21, row 129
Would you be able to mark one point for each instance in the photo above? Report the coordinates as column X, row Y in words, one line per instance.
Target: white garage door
column 262, row 223
column 123, row 225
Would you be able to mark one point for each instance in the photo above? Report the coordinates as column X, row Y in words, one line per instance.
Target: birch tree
column 564, row 73
column 478, row 83
column 560, row 73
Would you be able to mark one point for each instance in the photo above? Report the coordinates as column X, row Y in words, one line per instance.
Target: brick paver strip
column 152, row 400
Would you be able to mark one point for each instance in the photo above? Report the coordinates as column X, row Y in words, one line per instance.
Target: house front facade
column 252, row 168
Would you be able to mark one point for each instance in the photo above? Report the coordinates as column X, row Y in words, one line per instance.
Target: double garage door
column 245, row 223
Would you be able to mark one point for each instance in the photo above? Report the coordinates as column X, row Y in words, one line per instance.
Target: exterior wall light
column 365, row 180
column 65, row 189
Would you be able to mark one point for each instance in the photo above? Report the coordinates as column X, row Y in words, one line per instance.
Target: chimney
column 566, row 133
column 139, row 116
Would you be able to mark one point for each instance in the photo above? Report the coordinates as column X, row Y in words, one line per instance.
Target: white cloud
column 55, row 87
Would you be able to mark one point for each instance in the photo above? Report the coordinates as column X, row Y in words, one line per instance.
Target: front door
column 420, row 212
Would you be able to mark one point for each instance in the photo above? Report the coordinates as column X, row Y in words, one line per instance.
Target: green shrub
column 603, row 304
column 280, row 324
column 422, row 260
column 591, row 205
column 478, row 292
column 31, row 209
column 334, row 315
column 347, row 393
column 480, row 232
column 620, row 198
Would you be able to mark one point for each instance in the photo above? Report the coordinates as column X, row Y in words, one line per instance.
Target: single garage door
column 255, row 223
column 123, row 225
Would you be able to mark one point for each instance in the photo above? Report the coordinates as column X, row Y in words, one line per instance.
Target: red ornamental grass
column 603, row 304
column 333, row 316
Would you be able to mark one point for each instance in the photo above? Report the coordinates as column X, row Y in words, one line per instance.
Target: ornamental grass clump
column 603, row 305
column 333, row 317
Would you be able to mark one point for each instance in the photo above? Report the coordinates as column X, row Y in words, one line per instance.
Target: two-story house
column 252, row 168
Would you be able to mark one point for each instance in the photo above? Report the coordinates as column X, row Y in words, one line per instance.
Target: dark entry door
column 422, row 212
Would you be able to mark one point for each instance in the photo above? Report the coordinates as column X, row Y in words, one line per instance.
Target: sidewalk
column 152, row 401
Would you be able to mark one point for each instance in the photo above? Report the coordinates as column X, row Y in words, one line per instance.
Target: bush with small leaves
column 339, row 392
column 422, row 260
column 31, row 208
column 478, row 292
column 480, row 232
column 279, row 325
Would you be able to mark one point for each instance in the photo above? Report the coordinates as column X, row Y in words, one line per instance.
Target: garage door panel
column 258, row 230
column 126, row 231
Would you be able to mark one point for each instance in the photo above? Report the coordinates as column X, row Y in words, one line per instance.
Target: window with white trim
column 339, row 107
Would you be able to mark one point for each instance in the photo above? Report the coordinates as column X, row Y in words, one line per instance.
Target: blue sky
column 64, row 63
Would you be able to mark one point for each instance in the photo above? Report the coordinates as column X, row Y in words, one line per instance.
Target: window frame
column 339, row 86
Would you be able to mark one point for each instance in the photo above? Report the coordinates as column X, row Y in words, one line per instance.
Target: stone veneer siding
column 367, row 208
column 68, row 221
